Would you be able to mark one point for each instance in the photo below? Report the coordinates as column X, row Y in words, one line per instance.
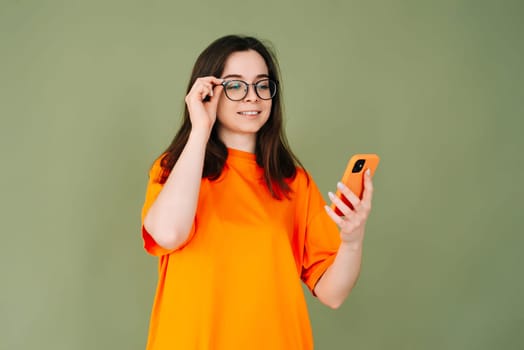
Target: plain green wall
column 91, row 92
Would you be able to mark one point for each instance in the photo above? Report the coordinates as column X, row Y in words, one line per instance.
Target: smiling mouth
column 249, row 113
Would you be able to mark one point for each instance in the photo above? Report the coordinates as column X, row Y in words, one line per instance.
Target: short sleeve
column 153, row 189
column 322, row 239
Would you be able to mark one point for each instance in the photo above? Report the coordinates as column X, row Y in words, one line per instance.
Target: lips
column 249, row 113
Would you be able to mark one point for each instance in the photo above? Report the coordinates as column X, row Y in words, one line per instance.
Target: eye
column 263, row 85
column 234, row 86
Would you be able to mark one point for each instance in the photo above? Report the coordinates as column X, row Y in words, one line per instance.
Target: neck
column 242, row 142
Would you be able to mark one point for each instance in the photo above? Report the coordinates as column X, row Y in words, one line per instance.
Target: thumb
column 213, row 102
column 217, row 92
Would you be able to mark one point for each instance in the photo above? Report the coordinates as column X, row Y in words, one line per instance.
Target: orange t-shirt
column 235, row 283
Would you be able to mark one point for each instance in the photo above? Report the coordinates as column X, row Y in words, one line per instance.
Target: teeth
column 249, row 113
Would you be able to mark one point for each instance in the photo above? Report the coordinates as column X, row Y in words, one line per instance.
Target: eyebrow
column 240, row 76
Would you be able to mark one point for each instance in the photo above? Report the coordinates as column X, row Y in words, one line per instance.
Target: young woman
column 235, row 220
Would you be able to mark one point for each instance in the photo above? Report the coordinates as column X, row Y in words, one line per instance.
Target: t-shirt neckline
column 238, row 154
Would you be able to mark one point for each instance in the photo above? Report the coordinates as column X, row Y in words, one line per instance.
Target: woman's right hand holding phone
column 202, row 102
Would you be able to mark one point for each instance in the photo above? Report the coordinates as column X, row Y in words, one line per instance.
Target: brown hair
column 272, row 151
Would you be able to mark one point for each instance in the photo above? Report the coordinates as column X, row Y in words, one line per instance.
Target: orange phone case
column 354, row 176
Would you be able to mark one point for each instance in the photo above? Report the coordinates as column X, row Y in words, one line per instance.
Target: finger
column 215, row 97
column 367, row 195
column 207, row 90
column 216, row 81
column 339, row 220
column 350, row 196
column 343, row 207
column 209, row 80
column 204, row 92
column 209, row 84
column 199, row 90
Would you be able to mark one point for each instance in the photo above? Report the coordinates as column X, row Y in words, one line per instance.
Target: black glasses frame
column 255, row 86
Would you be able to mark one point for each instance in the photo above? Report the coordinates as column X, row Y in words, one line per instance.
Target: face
column 239, row 121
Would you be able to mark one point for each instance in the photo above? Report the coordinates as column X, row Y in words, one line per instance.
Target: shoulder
column 156, row 170
column 303, row 180
column 302, row 174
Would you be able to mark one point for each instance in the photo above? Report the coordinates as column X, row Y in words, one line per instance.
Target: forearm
column 171, row 216
column 339, row 279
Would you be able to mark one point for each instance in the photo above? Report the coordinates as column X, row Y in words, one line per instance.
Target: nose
column 251, row 95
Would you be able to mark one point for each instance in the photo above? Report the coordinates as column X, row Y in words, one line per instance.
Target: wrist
column 200, row 134
column 351, row 246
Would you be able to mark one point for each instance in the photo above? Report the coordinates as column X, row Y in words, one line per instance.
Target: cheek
column 268, row 107
column 224, row 106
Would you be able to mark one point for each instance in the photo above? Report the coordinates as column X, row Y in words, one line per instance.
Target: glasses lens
column 235, row 90
column 266, row 89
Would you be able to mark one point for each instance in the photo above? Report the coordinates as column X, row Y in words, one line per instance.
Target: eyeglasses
column 236, row 90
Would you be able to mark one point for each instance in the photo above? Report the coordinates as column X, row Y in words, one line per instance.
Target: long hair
column 271, row 150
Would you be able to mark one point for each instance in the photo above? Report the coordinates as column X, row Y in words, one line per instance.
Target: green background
column 92, row 91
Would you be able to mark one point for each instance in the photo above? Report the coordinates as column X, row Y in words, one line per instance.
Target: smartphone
column 354, row 176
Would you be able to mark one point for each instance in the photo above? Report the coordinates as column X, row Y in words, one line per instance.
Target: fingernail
column 331, row 195
column 340, row 185
column 368, row 172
